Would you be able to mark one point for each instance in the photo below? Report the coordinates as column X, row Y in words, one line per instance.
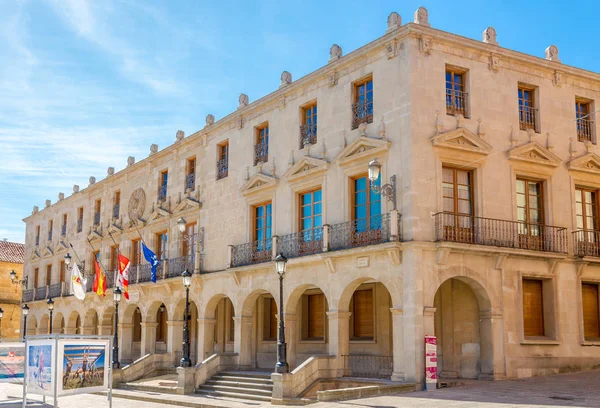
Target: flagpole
column 102, row 268
column 76, row 256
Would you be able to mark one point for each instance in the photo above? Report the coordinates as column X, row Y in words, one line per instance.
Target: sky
column 84, row 84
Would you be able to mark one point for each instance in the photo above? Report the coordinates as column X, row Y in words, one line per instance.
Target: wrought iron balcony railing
column 366, row 231
column 252, row 252
column 494, row 232
column 456, row 102
column 586, row 243
column 528, row 117
column 190, row 181
column 308, row 134
column 97, row 218
column 79, row 225
column 302, row 243
column 162, row 193
column 55, row 290
column 368, row 366
column 110, row 278
column 362, row 113
column 116, row 211
column 261, row 153
column 585, row 130
column 222, row 168
column 178, row 265
column 50, row 236
column 40, row 293
column 89, row 284
column 145, row 272
column 63, row 230
column 27, row 295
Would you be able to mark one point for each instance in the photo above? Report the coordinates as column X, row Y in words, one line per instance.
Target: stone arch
column 90, row 322
column 250, row 301
column 292, row 300
column 74, row 323
column 31, row 326
column 43, row 327
column 130, row 336
column 58, row 323
column 216, row 311
column 349, row 289
column 152, row 310
column 106, row 321
column 129, row 311
column 474, row 280
column 211, row 306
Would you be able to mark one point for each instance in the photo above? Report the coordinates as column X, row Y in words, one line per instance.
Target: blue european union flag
column 150, row 257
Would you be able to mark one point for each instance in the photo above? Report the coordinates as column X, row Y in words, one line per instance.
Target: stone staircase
column 160, row 380
column 248, row 385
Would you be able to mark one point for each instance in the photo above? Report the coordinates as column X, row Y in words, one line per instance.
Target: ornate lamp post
column 117, row 298
column 282, row 366
column 1, row 314
column 185, row 359
column 182, row 224
column 387, row 190
column 50, row 304
column 14, row 279
column 25, row 313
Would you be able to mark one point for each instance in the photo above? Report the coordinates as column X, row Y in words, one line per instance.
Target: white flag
column 78, row 283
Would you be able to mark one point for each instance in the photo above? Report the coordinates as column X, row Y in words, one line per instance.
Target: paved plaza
column 564, row 390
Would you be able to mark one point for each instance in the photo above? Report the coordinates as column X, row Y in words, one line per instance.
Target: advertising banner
column 430, row 362
column 40, row 367
column 82, row 366
column 12, row 361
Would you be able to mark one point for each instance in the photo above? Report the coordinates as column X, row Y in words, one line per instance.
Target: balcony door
column 366, row 212
column 530, row 214
column 311, row 222
column 586, row 212
column 457, row 191
column 262, row 232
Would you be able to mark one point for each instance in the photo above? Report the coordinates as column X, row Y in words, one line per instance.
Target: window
column 528, row 111
column 97, row 208
column 533, row 308
column 50, row 228
column 223, row 160
column 457, row 188
column 311, row 221
column 314, row 317
column 587, row 236
column 116, row 204
column 269, row 319
column 79, row 219
column 36, row 275
column 63, row 229
column 114, row 258
column 591, row 312
column 261, row 148
column 95, row 257
column 48, row 275
column 456, row 97
column 362, row 109
column 585, row 124
column 530, row 214
column 362, row 315
column 190, row 174
column 262, row 232
column 366, row 207
column 37, row 235
column 162, row 246
column 187, row 249
column 308, row 130
column 63, row 270
column 136, row 252
column 162, row 185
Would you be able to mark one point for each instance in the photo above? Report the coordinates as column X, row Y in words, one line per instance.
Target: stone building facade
column 11, row 259
column 491, row 243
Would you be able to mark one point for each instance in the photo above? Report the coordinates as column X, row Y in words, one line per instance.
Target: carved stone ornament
column 394, row 21
column 333, row 78
column 35, row 209
column 286, row 78
column 92, row 180
column 422, row 17
column 460, row 121
column 558, row 78
column 110, row 171
column 489, row 36
column 137, row 204
column 391, row 49
column 61, row 196
column 130, row 161
column 425, row 45
column 243, row 99
column 494, row 63
column 362, row 129
column 335, row 53
column 48, row 203
column 240, row 122
column 180, row 135
column 210, row 119
column 75, row 189
column 480, row 129
column 552, row 53
column 153, row 148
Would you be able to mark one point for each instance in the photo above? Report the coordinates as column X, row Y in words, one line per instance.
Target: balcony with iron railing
column 40, row 293
column 27, row 295
column 456, row 102
column 347, row 235
column 222, row 168
column 55, row 290
column 110, row 278
column 261, row 153
column 586, row 243
column 116, row 211
column 308, row 134
column 362, row 112
column 190, row 182
column 178, row 265
column 501, row 233
column 63, row 230
column 528, row 117
column 162, row 193
column 585, row 130
column 97, row 218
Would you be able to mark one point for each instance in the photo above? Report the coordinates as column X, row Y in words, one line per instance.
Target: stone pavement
column 563, row 390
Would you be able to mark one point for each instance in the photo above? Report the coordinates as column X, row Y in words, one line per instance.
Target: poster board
column 83, row 366
column 40, row 358
column 430, row 363
column 12, row 361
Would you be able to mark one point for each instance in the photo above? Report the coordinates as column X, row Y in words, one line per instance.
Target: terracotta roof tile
column 12, row 252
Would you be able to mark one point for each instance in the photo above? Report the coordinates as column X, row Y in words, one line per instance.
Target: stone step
column 253, row 380
column 240, row 383
column 246, row 374
column 241, row 390
column 238, row 395
column 147, row 388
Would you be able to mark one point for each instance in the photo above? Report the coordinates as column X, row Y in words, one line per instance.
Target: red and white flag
column 123, row 277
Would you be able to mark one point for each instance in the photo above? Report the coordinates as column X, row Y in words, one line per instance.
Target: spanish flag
column 123, row 277
column 99, row 281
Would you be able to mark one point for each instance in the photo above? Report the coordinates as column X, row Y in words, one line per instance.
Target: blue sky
column 84, row 84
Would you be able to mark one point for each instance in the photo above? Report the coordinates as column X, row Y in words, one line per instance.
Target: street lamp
column 14, row 279
column 387, row 190
column 50, row 304
column 190, row 240
column 25, row 313
column 282, row 366
column 117, row 298
column 1, row 314
column 187, row 281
